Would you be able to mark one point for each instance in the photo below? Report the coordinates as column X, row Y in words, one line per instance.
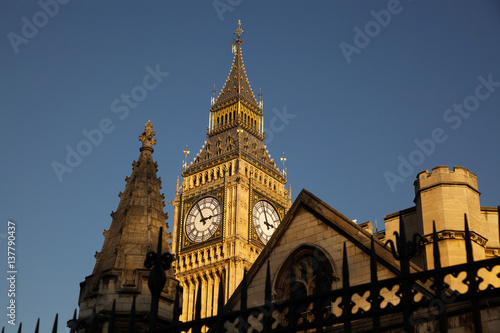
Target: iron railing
column 422, row 297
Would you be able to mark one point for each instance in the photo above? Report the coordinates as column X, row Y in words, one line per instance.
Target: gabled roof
column 331, row 218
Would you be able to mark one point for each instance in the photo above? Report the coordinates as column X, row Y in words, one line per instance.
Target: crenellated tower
column 232, row 196
column 444, row 196
column 119, row 273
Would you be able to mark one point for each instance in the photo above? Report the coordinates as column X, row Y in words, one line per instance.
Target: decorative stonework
column 455, row 234
column 147, row 137
column 119, row 272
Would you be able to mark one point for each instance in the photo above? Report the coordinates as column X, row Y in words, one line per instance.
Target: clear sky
column 361, row 96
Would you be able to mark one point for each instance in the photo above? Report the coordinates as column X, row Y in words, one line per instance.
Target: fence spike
column 3, row 329
column 268, row 289
column 439, row 284
column 345, row 269
column 131, row 320
column 220, row 299
column 158, row 262
column 20, row 328
column 319, row 290
column 111, row 324
column 54, row 328
column 435, row 247
column 320, row 283
column 293, row 278
column 243, row 305
column 197, row 311
column 73, row 323
column 404, row 248
column 177, row 307
column 468, row 242
column 374, row 297
column 160, row 240
column 267, row 300
column 373, row 261
column 37, row 328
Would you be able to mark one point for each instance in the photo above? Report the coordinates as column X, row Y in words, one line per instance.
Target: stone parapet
column 441, row 175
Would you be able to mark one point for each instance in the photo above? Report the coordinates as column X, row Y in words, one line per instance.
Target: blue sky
column 371, row 90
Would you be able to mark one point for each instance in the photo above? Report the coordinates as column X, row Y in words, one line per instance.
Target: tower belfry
column 232, row 196
column 119, row 273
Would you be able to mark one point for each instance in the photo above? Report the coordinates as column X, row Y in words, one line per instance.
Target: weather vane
column 261, row 103
column 186, row 152
column 283, row 159
column 212, row 101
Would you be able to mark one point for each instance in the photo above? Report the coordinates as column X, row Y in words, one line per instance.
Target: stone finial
column 147, row 137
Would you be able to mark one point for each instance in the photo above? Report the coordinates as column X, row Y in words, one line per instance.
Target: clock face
column 265, row 220
column 203, row 219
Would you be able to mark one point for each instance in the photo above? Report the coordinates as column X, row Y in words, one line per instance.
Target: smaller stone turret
column 444, row 196
column 119, row 273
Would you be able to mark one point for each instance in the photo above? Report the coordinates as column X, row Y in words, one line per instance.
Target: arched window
column 310, row 265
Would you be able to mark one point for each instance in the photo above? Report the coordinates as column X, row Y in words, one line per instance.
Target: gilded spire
column 238, row 32
column 147, row 137
column 237, row 87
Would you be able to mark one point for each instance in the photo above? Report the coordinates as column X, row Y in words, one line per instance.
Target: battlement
column 441, row 175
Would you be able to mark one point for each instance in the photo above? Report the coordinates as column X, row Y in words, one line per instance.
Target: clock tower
column 232, row 197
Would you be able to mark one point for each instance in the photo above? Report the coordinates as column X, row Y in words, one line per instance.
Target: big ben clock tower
column 232, row 197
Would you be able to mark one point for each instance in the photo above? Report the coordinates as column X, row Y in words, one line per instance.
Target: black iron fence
column 418, row 298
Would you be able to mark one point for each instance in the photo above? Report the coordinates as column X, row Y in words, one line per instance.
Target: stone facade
column 443, row 197
column 312, row 224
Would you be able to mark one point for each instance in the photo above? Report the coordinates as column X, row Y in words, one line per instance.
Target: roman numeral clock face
column 203, row 219
column 265, row 220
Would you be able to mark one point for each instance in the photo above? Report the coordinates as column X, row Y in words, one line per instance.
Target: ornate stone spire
column 237, row 86
column 119, row 272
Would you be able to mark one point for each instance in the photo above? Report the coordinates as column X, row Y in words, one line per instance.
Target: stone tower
column 119, row 273
column 444, row 196
column 232, row 196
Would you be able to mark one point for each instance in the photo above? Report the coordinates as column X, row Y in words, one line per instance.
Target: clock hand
column 202, row 218
column 209, row 217
column 269, row 226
